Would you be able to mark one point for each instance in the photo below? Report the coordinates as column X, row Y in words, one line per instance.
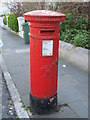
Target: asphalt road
column 8, row 110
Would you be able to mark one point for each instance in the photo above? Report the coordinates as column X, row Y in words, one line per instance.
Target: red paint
column 44, row 25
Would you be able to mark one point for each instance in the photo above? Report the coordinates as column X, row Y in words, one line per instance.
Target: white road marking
column 23, row 50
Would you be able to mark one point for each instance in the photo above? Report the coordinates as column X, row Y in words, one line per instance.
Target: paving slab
column 66, row 113
column 26, row 99
column 15, row 60
column 22, row 86
column 89, row 108
column 14, row 41
column 81, row 108
column 71, row 90
column 72, row 83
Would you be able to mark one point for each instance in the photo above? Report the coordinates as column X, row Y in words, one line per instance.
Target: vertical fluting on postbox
column 44, row 44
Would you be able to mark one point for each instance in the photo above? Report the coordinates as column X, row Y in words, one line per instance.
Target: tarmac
column 0, row 93
column 72, row 82
column 8, row 110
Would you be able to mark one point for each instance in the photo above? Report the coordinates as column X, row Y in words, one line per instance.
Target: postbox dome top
column 45, row 15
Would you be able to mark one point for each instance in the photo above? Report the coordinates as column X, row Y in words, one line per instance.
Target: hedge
column 75, row 30
column 5, row 20
column 13, row 22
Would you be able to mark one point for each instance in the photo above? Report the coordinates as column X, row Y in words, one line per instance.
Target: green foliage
column 5, row 20
column 23, row 106
column 2, row 15
column 13, row 22
column 17, row 118
column 74, row 30
column 68, row 35
column 81, row 40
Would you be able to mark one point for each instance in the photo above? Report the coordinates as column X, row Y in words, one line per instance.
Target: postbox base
column 43, row 106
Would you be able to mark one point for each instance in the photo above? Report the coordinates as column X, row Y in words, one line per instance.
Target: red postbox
column 44, row 44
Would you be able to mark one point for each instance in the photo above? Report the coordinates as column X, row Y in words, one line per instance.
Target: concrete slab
column 72, row 70
column 26, row 99
column 72, row 83
column 22, row 83
column 14, row 41
column 89, row 108
column 66, row 113
column 69, row 90
column 24, row 69
column 81, row 108
column 15, row 60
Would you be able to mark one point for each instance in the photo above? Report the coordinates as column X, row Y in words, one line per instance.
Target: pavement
column 72, row 82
